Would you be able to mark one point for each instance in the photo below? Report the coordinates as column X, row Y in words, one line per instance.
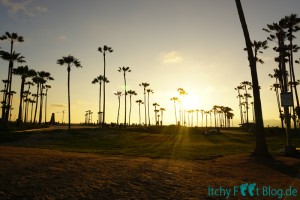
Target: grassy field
column 154, row 142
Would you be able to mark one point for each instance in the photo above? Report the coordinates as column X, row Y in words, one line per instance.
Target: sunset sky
column 192, row 44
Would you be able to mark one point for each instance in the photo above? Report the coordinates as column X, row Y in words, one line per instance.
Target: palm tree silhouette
column 246, row 85
column 24, row 72
column 162, row 115
column 12, row 38
column 46, row 96
column 124, row 70
column 69, row 61
column 202, row 113
column 155, row 105
column 139, row 102
column 118, row 94
column 261, row 148
column 238, row 88
column 130, row 92
column 11, row 58
column 149, row 91
column 145, row 85
column 99, row 80
column 175, row 99
column 104, row 50
column 44, row 77
column 182, row 93
column 29, row 83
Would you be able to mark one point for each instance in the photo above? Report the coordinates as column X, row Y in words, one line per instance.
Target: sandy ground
column 28, row 173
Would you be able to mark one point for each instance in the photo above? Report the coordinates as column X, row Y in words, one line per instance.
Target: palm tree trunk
column 41, row 104
column 145, row 106
column 148, row 109
column 103, row 121
column 118, row 111
column 139, row 114
column 129, row 109
column 37, row 102
column 175, row 112
column 21, row 101
column 69, row 101
column 46, row 97
column 261, row 148
column 100, row 103
column 125, row 101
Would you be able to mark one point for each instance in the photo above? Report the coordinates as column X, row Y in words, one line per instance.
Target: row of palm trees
column 38, row 78
column 186, row 117
column 283, row 34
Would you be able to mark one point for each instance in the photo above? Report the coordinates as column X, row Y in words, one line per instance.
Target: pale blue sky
column 193, row 44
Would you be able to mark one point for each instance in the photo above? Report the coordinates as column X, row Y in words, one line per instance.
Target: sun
column 191, row 102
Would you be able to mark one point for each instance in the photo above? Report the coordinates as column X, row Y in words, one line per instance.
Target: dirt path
column 27, row 173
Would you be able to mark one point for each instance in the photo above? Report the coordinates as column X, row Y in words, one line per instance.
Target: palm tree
column 145, row 85
column 182, row 93
column 175, row 99
column 118, row 94
column 139, row 102
column 44, row 77
column 46, row 95
column 155, row 105
column 161, row 114
column 246, row 85
column 124, row 70
column 104, row 50
column 261, row 148
column 149, row 91
column 99, row 80
column 24, row 72
column 69, row 61
column 197, row 112
column 202, row 112
column 130, row 92
column 29, row 83
column 12, row 38
column 238, row 88
column 32, row 102
column 11, row 57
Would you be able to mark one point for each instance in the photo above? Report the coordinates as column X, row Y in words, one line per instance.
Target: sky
column 196, row 45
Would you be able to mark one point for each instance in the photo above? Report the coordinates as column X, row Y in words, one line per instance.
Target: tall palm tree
column 155, row 105
column 161, row 114
column 131, row 93
column 12, row 38
column 24, row 72
column 149, row 91
column 139, row 102
column 69, row 61
column 246, row 85
column 175, row 99
column 240, row 97
column 11, row 58
column 124, row 70
column 29, row 83
column 104, row 50
column 202, row 113
column 32, row 102
column 261, row 148
column 99, row 80
column 46, row 96
column 44, row 77
column 145, row 85
column 118, row 94
column 182, row 94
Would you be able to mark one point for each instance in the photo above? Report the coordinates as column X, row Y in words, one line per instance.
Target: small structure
column 52, row 120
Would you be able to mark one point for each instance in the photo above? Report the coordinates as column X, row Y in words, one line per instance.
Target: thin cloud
column 172, row 57
column 26, row 7
column 62, row 38
column 59, row 105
